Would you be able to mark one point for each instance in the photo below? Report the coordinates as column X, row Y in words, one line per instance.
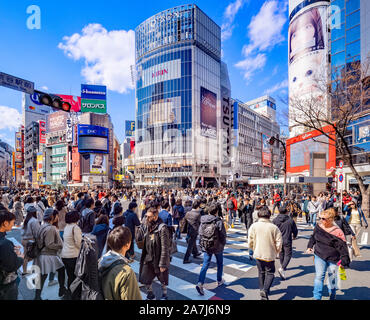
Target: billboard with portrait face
column 208, row 113
column 98, row 163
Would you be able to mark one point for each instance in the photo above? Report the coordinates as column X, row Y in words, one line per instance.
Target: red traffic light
column 66, row 106
column 53, row 101
column 272, row 141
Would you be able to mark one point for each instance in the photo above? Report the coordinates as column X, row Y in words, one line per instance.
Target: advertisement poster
column 307, row 52
column 93, row 92
column 208, row 113
column 266, row 153
column 39, row 167
column 57, row 121
column 74, row 101
column 76, row 170
column 96, row 106
column 98, row 164
column 130, row 128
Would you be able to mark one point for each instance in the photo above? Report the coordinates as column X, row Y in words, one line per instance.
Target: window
column 353, row 49
column 337, row 33
column 352, row 5
column 353, row 19
column 338, row 59
column 338, row 46
column 353, row 34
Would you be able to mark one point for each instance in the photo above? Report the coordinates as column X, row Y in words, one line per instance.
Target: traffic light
column 272, row 141
column 53, row 101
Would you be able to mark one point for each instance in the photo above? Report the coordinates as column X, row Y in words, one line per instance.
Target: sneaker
column 263, row 295
column 186, row 261
column 62, row 291
column 282, row 273
column 332, row 296
column 200, row 290
column 150, row 296
column 52, row 283
column 197, row 255
column 164, row 297
column 220, row 283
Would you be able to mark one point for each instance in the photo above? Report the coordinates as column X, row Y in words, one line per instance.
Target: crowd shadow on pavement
column 292, row 292
column 355, row 292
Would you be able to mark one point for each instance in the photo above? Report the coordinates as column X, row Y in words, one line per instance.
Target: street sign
column 341, row 178
column 341, row 164
column 9, row 81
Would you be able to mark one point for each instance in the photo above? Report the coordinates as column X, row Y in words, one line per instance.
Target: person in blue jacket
column 132, row 221
column 178, row 215
column 101, row 230
column 165, row 216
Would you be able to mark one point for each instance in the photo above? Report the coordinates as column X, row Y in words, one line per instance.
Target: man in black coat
column 192, row 218
column 289, row 231
column 247, row 213
column 155, row 256
column 10, row 259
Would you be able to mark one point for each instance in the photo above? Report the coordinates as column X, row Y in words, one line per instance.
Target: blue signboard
column 92, row 139
column 93, row 92
column 130, row 128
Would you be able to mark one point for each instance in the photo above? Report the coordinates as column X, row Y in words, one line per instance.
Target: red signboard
column 42, row 132
column 300, row 148
column 76, row 165
column 73, row 100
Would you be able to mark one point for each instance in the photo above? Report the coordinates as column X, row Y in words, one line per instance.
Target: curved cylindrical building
column 178, row 98
column 307, row 55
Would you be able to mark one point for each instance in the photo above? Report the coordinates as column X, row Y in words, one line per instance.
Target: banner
column 42, row 132
column 96, row 106
column 57, row 121
column 208, row 113
column 266, row 153
column 98, row 164
column 74, row 101
column 76, row 171
column 130, row 128
column 93, row 92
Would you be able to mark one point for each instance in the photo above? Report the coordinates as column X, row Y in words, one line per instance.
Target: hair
column 132, row 205
column 29, row 199
column 118, row 238
column 212, row 209
column 153, row 210
column 165, row 204
column 178, row 202
column 72, row 216
column 117, row 210
column 89, row 202
column 329, row 212
column 59, row 205
column 80, row 194
column 283, row 210
column 264, row 212
column 55, row 213
column 102, row 219
column 29, row 215
column 353, row 203
column 6, row 215
column 118, row 221
column 98, row 204
column 196, row 204
column 38, row 198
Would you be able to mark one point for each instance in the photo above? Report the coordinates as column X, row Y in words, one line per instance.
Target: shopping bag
column 342, row 273
column 350, row 251
column 356, row 249
column 226, row 225
column 364, row 238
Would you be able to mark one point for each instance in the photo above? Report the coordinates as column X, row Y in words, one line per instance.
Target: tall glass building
column 350, row 52
column 178, row 98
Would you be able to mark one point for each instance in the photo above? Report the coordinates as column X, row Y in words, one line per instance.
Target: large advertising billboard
column 76, row 166
column 300, row 148
column 33, row 110
column 98, row 164
column 93, row 98
column 96, row 106
column 57, row 121
column 39, row 168
column 93, row 139
column 266, row 152
column 42, row 132
column 208, row 113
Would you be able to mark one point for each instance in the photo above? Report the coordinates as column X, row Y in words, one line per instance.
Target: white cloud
column 45, row 88
column 10, row 118
column 108, row 55
column 277, row 87
column 250, row 64
column 229, row 15
column 264, row 32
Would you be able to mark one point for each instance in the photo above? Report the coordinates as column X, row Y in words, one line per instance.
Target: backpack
column 33, row 248
column 87, row 285
column 176, row 214
column 10, row 207
column 208, row 236
column 230, row 204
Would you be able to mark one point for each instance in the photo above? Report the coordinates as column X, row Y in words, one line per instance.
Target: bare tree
column 347, row 96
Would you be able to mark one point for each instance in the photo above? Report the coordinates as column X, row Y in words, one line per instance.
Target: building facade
column 350, row 56
column 31, row 148
column 178, row 98
column 254, row 125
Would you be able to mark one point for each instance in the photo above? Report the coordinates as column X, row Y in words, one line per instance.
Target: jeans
column 266, row 274
column 177, row 232
column 70, row 264
column 285, row 255
column 231, row 217
column 192, row 247
column 313, row 219
column 320, row 268
column 206, row 261
column 276, row 205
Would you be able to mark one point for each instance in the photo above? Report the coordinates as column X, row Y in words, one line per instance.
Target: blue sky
column 92, row 42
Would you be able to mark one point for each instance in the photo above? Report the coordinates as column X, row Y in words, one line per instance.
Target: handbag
column 364, row 238
column 183, row 225
column 356, row 249
column 139, row 242
column 174, row 245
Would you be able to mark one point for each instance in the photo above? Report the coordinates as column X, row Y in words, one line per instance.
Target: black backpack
column 230, row 204
column 80, row 205
column 208, row 236
column 87, row 285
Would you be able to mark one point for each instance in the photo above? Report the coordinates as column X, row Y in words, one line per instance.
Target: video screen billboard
column 208, row 113
column 93, row 139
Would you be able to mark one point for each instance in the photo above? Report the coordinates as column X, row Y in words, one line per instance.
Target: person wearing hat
column 29, row 232
column 49, row 241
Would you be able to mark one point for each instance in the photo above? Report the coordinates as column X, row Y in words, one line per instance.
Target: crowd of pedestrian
column 87, row 237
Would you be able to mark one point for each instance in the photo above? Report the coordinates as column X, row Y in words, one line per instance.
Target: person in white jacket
column 313, row 207
column 265, row 240
column 71, row 245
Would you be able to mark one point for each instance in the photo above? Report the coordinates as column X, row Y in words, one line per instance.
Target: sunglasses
column 324, row 219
